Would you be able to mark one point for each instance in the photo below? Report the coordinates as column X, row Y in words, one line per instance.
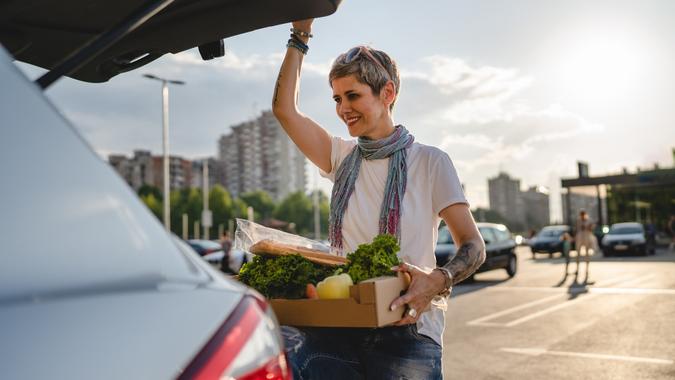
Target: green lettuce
column 282, row 277
column 374, row 259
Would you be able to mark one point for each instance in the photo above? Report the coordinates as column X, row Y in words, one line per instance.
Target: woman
column 384, row 183
column 584, row 238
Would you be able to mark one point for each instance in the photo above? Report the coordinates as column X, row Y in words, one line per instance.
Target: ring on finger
column 412, row 312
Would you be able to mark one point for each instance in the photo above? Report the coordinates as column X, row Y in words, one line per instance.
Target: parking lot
column 537, row 325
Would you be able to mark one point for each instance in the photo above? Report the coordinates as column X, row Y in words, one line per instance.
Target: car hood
column 43, row 33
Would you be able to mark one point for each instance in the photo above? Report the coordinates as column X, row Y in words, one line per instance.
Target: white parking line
column 623, row 281
column 633, row 291
column 571, row 302
column 541, row 351
column 549, row 310
column 481, row 321
column 580, row 289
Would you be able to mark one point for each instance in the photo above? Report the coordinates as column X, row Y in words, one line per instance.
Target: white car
column 103, row 291
column 625, row 238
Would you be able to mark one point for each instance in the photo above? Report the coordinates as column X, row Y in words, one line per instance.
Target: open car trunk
column 43, row 32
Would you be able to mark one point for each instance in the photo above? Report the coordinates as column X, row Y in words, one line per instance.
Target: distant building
column 504, row 196
column 522, row 210
column 145, row 169
column 536, row 208
column 180, row 172
column 137, row 170
column 215, row 173
column 644, row 196
column 258, row 155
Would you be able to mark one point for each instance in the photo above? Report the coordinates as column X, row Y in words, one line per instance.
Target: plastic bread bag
column 249, row 233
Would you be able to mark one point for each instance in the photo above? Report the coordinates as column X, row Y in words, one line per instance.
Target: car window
column 551, row 232
column 444, row 236
column 487, row 234
column 625, row 230
column 502, row 233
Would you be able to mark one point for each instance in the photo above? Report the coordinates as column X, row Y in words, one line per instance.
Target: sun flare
column 601, row 67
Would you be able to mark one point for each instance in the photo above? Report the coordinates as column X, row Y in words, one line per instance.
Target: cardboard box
column 368, row 306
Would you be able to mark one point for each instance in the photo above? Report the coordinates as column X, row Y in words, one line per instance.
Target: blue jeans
column 358, row 353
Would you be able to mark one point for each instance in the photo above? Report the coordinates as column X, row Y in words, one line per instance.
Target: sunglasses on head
column 355, row 52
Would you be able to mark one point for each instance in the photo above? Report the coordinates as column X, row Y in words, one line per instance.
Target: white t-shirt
column 432, row 186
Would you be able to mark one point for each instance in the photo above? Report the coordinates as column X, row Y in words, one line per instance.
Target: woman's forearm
column 470, row 256
column 286, row 89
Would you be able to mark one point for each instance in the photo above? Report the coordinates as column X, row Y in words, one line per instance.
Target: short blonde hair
column 371, row 67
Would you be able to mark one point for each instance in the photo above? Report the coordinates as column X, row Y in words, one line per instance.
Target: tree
column 154, row 204
column 239, row 208
column 220, row 204
column 262, row 203
column 296, row 208
column 185, row 201
column 324, row 212
column 149, row 189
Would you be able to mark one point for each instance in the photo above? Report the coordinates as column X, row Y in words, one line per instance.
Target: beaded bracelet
column 301, row 33
column 294, row 44
column 300, row 42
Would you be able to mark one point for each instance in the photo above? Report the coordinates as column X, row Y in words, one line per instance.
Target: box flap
column 386, row 290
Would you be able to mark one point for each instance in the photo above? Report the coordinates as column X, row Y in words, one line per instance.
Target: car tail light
column 246, row 347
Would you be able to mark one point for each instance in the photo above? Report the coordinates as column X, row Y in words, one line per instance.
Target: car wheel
column 512, row 266
column 606, row 253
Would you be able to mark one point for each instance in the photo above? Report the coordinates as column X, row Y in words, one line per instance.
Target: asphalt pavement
column 541, row 324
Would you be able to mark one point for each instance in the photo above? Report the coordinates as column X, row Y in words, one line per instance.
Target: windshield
column 625, row 230
column 551, row 232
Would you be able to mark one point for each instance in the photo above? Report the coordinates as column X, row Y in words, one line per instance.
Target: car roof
column 43, row 33
column 70, row 224
column 556, row 227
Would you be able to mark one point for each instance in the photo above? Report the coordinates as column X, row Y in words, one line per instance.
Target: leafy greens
column 282, row 277
column 374, row 259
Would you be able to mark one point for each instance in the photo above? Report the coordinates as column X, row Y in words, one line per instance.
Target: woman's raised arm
column 310, row 137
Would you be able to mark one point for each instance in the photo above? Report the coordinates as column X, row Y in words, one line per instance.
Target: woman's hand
column 423, row 288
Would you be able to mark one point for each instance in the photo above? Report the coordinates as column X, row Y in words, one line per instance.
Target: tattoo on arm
column 469, row 257
column 276, row 89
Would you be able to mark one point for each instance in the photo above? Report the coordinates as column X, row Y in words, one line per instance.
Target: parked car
column 104, row 291
column 626, row 238
column 499, row 248
column 212, row 252
column 210, row 248
column 549, row 240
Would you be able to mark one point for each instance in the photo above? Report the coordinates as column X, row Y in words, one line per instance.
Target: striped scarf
column 393, row 146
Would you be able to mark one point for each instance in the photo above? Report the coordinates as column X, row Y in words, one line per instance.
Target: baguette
column 269, row 247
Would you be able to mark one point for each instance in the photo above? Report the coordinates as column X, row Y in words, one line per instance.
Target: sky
column 528, row 87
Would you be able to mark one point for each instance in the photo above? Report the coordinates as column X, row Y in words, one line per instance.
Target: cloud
column 481, row 115
column 473, row 94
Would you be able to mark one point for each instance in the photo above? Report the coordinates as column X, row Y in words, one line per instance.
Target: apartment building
column 258, row 155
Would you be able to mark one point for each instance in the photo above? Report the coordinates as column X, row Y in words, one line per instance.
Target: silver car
column 91, row 285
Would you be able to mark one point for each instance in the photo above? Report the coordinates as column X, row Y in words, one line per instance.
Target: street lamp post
column 165, row 143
